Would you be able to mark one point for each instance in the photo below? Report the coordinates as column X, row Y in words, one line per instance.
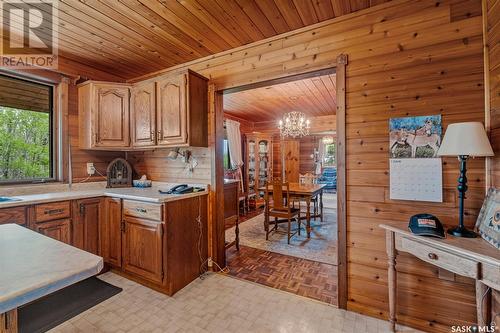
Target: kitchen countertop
column 33, row 265
column 149, row 194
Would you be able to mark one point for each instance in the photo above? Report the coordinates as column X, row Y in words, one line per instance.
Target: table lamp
column 464, row 140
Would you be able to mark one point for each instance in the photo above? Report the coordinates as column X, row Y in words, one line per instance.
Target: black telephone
column 179, row 189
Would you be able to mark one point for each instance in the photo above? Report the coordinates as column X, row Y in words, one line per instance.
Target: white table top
column 33, row 265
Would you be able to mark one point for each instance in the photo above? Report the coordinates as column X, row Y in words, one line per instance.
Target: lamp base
column 462, row 232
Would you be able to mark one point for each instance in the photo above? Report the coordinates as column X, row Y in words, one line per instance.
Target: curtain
column 234, row 142
column 321, row 155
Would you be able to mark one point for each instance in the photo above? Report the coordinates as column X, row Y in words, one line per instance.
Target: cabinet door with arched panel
column 143, row 115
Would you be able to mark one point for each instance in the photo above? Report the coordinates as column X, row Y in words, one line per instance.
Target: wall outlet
column 90, row 168
column 210, row 263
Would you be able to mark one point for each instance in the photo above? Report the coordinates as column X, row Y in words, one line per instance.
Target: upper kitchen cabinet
column 182, row 114
column 168, row 111
column 143, row 117
column 104, row 115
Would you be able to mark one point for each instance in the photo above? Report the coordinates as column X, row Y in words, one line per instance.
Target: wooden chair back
column 279, row 198
column 308, row 179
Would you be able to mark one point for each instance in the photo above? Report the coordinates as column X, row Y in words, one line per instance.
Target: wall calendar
column 416, row 179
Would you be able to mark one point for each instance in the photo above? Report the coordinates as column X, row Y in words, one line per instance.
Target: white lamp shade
column 469, row 139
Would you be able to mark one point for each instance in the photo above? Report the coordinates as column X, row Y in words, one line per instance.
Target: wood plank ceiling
column 313, row 96
column 130, row 38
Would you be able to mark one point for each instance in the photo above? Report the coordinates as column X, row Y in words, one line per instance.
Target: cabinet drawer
column 143, row 210
column 13, row 215
column 52, row 211
column 451, row 262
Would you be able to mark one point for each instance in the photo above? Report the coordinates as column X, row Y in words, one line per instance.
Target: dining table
column 304, row 192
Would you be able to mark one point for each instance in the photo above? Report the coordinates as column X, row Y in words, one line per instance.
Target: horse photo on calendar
column 415, row 137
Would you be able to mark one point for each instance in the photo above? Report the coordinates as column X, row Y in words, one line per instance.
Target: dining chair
column 243, row 199
column 310, row 179
column 280, row 208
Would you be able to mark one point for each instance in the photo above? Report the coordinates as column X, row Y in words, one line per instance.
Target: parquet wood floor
column 302, row 277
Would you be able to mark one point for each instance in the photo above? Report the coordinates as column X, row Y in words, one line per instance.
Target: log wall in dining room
column 405, row 58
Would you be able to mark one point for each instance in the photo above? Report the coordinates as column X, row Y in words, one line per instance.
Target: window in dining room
column 329, row 157
column 226, row 157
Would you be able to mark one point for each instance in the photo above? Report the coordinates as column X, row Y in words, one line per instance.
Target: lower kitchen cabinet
column 86, row 223
column 59, row 230
column 161, row 245
column 143, row 248
column 111, row 232
column 13, row 215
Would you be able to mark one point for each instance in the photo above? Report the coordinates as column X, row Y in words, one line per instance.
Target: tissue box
column 142, row 183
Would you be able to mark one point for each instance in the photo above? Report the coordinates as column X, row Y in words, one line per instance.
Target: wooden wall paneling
column 491, row 29
column 492, row 65
column 156, row 165
column 342, row 288
column 391, row 46
column 217, row 181
column 61, row 104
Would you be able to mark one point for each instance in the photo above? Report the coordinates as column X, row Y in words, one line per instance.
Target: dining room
column 280, row 173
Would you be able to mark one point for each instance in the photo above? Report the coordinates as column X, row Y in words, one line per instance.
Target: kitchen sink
column 9, row 199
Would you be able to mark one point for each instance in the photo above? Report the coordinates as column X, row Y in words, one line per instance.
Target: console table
column 470, row 257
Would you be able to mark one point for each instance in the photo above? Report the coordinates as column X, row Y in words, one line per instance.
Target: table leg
column 391, row 254
column 8, row 322
column 321, row 205
column 482, row 303
column 308, row 216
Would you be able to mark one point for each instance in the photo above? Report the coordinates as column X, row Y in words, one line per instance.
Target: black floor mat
column 56, row 308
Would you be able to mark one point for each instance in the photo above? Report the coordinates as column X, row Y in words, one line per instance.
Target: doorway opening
column 256, row 152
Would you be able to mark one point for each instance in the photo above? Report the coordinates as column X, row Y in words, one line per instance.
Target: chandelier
column 294, row 124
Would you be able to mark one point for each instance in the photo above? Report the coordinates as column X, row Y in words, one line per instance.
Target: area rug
column 320, row 247
column 60, row 306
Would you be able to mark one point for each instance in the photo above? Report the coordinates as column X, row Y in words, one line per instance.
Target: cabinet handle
column 141, row 210
column 82, row 209
column 152, row 135
column 53, row 211
column 159, row 135
column 96, row 138
column 432, row 256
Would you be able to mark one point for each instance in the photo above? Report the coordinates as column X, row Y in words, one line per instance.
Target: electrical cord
column 204, row 263
column 203, row 267
column 100, row 174
column 90, row 176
